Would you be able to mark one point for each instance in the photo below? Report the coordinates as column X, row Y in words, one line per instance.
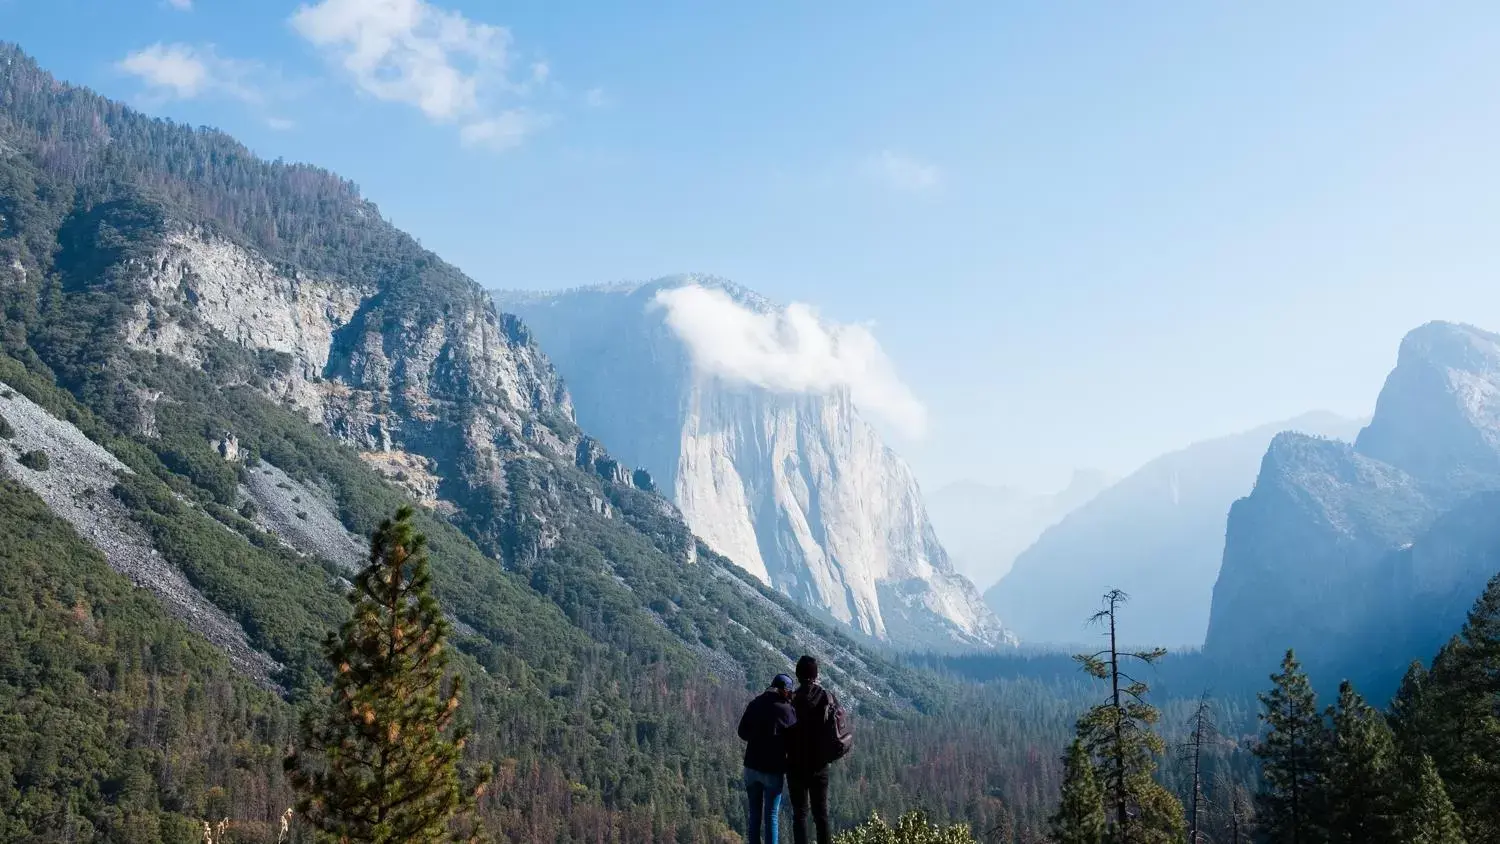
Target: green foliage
column 1428, row 817
column 1363, row 779
column 1080, row 815
column 911, row 828
column 1450, row 714
column 1293, row 753
column 284, row 602
column 115, row 724
column 1118, row 734
column 388, row 746
column 35, row 460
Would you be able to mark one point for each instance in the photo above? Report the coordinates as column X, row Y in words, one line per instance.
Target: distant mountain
column 984, row 527
column 793, row 485
column 1158, row 534
column 1370, row 554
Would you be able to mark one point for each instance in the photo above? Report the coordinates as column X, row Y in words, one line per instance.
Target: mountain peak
column 1438, row 415
column 1452, row 345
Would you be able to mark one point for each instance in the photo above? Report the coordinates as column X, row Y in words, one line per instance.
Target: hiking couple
column 796, row 734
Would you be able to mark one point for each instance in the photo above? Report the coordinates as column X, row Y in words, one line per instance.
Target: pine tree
column 1293, row 757
column 1118, row 734
column 1080, row 814
column 1428, row 817
column 1363, row 781
column 1455, row 719
column 1408, row 712
column 388, row 772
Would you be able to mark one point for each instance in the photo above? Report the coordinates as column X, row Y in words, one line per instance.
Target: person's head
column 782, row 685
column 807, row 669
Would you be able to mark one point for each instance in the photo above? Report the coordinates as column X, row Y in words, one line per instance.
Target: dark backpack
column 838, row 735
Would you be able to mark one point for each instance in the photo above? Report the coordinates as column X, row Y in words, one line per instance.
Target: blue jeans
column 764, row 791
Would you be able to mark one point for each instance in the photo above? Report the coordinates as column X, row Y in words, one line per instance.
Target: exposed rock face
column 198, row 285
column 1438, row 416
column 795, row 488
column 439, row 396
column 1158, row 534
column 1370, row 552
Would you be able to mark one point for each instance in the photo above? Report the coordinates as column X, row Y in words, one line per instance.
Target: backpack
column 838, row 732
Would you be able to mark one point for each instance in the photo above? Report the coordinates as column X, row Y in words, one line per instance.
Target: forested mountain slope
column 259, row 353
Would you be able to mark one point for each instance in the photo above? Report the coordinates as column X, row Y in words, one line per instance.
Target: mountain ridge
column 1337, row 544
column 1157, row 534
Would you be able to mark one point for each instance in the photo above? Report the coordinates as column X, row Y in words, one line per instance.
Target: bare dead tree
column 1202, row 729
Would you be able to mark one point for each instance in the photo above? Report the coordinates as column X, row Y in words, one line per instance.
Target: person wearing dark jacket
column 807, row 759
column 764, row 728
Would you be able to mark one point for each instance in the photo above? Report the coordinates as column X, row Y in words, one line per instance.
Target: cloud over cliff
column 790, row 351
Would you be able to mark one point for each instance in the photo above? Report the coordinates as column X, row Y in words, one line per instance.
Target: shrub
column 912, row 828
column 6, row 431
column 36, row 460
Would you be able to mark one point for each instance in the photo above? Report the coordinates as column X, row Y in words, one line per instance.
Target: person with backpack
column 764, row 728
column 822, row 736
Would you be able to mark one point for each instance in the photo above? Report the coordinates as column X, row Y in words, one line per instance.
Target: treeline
column 1425, row 771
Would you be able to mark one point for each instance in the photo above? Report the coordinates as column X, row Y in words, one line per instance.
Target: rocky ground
column 76, row 486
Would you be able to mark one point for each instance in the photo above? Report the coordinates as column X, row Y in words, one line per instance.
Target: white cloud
column 903, row 172
column 185, row 71
column 280, row 124
column 595, row 98
column 410, row 51
column 790, row 351
column 506, row 130
column 181, row 5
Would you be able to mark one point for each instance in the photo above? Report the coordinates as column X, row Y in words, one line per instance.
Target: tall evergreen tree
column 388, row 772
column 1428, row 817
column 1080, row 814
column 1456, row 717
column 1119, row 735
column 1363, row 780
column 1293, row 755
column 1407, row 714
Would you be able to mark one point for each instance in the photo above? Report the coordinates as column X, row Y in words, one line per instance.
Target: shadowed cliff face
column 1362, row 552
column 795, row 487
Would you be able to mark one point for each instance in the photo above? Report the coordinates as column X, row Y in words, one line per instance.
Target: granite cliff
column 792, row 484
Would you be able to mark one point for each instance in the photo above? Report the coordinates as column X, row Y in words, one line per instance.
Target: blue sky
column 1084, row 233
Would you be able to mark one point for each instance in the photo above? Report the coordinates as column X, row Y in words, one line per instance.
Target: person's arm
column 745, row 724
column 788, row 717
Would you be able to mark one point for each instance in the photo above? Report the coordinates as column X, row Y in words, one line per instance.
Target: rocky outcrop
column 1438, row 416
column 434, row 386
column 794, row 487
column 1351, row 553
column 1300, row 550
